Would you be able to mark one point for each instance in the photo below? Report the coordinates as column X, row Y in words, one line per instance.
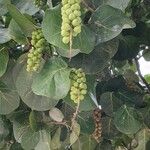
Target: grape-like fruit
column 71, row 20
column 78, row 85
column 39, row 44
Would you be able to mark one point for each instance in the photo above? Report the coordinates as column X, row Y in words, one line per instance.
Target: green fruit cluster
column 71, row 19
column 40, row 3
column 78, row 85
column 39, row 44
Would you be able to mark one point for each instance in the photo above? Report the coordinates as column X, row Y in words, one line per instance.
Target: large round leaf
column 9, row 98
column 23, row 81
column 30, row 139
column 51, row 26
column 127, row 120
column 45, row 141
column 108, row 22
column 3, row 6
column 4, row 35
column 143, row 138
column 98, row 59
column 24, row 23
column 53, row 80
column 4, row 56
column 120, row 4
column 16, row 33
column 26, row 6
column 3, row 129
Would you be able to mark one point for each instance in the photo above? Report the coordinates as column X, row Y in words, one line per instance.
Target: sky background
column 144, row 66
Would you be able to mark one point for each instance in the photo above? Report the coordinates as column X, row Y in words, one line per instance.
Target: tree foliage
column 113, row 108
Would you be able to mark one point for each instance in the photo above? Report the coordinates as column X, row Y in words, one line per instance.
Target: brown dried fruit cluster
column 133, row 86
column 98, row 125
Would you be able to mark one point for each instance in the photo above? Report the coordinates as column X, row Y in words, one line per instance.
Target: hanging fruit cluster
column 98, row 126
column 71, row 19
column 39, row 44
column 40, row 3
column 132, row 86
column 78, row 85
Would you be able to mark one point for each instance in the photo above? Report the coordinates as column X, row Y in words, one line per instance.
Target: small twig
column 75, row 114
column 87, row 6
column 140, row 74
column 70, row 46
column 60, row 123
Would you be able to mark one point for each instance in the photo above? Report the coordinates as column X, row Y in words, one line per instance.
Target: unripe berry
column 77, row 29
column 71, row 21
column 78, row 87
column 65, row 40
column 35, row 54
column 72, row 16
column 77, row 13
column 75, row 22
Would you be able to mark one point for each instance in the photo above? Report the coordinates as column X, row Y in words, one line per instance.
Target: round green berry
column 77, row 29
column 75, row 22
column 83, row 92
column 66, row 40
column 72, row 16
column 77, row 13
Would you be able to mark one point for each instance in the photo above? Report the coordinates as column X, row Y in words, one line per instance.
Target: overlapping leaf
column 52, row 31
column 53, row 80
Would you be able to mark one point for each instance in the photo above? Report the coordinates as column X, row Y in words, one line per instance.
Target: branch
column 64, row 123
column 75, row 115
column 87, row 6
column 140, row 74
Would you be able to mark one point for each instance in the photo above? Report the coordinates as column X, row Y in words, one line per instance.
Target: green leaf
column 26, row 26
column 104, row 145
column 53, row 79
column 143, row 137
column 3, row 130
column 106, row 101
column 147, row 78
column 26, row 6
column 23, row 81
column 52, row 31
column 55, row 142
column 127, row 120
column 110, row 23
column 128, row 47
column 9, row 100
column 56, row 114
column 33, row 121
column 120, row 4
column 108, row 128
column 98, row 59
column 75, row 133
column 30, row 139
column 85, row 119
column 4, row 35
column 146, row 55
column 19, row 129
column 85, row 142
column 3, row 7
column 16, row 146
column 16, row 33
column 45, row 141
column 4, row 57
